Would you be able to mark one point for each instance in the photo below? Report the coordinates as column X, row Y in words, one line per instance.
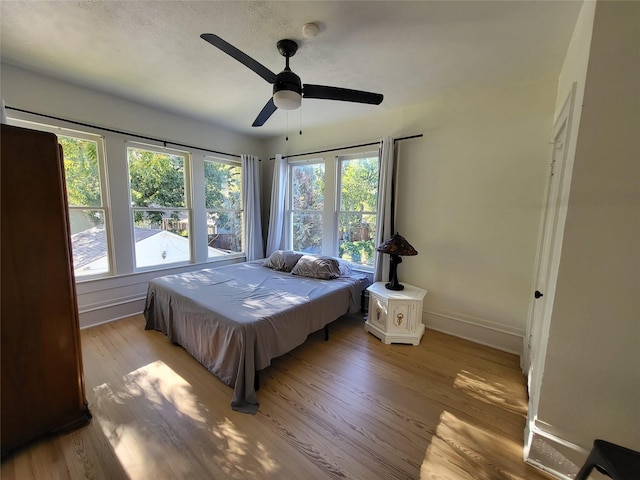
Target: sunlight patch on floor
column 237, row 447
column 265, row 459
column 133, row 439
column 170, row 419
column 129, row 446
column 493, row 393
column 159, row 384
column 448, row 458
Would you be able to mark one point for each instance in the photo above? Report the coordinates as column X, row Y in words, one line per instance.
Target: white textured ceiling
column 151, row 51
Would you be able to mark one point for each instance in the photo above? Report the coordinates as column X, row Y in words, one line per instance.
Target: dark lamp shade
column 397, row 245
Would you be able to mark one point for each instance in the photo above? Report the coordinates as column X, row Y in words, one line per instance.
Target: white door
column 549, row 246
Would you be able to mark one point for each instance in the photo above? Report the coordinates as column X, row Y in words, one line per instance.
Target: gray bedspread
column 235, row 319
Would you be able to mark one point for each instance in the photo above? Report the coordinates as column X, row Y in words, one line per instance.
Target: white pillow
column 282, row 260
column 324, row 268
column 346, row 267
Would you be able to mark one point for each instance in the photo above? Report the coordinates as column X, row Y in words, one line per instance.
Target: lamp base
column 393, row 273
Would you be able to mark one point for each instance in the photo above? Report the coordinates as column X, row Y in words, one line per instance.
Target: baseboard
column 475, row 330
column 553, row 454
column 109, row 312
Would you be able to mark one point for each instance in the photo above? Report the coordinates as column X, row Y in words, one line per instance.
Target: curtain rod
column 120, row 132
column 350, row 146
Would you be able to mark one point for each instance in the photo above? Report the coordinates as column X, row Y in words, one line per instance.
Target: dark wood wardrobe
column 42, row 378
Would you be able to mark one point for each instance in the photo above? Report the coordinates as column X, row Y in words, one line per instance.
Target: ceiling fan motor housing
column 287, row 80
column 287, row 90
column 287, row 48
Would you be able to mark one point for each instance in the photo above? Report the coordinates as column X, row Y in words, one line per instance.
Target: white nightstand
column 395, row 316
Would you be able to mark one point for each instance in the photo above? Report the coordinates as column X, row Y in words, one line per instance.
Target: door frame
column 548, row 253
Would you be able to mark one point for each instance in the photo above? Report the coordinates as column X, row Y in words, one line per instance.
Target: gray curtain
column 275, row 235
column 385, row 206
column 254, row 248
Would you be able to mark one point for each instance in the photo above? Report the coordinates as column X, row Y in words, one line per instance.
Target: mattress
column 235, row 319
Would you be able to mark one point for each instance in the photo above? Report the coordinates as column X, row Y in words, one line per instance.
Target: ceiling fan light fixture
column 287, row 99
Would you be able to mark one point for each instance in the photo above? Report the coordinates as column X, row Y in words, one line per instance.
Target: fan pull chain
column 287, row 137
column 300, row 118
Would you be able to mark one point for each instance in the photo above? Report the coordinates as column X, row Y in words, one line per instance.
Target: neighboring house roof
column 90, row 245
column 153, row 247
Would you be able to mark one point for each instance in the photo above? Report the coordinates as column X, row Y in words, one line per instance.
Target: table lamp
column 397, row 247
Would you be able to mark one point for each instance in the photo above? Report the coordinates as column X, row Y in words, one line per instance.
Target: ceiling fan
column 288, row 90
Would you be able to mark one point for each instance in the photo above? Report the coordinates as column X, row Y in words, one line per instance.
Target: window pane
column 350, row 232
column 357, row 234
column 81, row 171
column 157, row 179
column 88, row 242
column 83, row 163
column 358, row 206
column 161, row 237
column 222, row 186
column 308, row 187
column 88, row 235
column 223, row 200
column 307, row 207
column 307, row 232
column 359, row 179
column 224, row 233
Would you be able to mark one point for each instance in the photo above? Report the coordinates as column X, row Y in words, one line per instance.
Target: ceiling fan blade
column 240, row 56
column 265, row 113
column 342, row 94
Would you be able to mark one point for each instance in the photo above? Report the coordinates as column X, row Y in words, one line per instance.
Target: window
column 358, row 177
column 160, row 206
column 339, row 224
column 87, row 212
column 223, row 202
column 87, row 198
column 307, row 206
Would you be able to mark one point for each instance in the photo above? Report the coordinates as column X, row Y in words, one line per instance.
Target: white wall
column 31, row 91
column 591, row 382
column 469, row 201
column 107, row 299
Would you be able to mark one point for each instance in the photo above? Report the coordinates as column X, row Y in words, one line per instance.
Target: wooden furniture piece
column 42, row 378
column 395, row 316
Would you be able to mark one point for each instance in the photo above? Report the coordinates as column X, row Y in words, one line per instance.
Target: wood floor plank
column 349, row 408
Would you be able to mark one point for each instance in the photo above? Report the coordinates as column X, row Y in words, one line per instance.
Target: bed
column 235, row 319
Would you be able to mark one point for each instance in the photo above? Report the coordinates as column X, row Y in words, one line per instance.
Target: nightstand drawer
column 377, row 311
column 400, row 317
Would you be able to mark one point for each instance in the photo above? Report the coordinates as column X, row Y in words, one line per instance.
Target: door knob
column 538, row 294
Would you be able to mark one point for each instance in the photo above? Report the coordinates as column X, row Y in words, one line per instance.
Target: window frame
column 188, row 208
column 338, row 203
column 289, row 200
column 234, row 163
column 105, row 203
column 332, row 200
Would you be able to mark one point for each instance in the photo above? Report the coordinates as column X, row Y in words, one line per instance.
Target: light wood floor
column 350, row 408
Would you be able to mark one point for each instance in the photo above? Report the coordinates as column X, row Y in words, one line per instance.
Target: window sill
column 91, row 284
